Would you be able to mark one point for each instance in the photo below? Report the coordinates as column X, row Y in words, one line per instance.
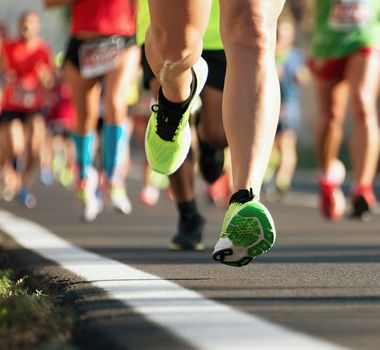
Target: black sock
column 178, row 106
column 187, row 210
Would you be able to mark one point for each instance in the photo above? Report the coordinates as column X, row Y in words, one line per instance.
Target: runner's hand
column 44, row 75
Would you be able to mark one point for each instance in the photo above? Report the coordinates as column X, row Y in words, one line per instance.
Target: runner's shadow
column 162, row 256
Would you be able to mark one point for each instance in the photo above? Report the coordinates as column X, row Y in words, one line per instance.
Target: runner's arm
column 1, row 62
column 2, row 68
column 45, row 70
column 302, row 75
column 51, row 3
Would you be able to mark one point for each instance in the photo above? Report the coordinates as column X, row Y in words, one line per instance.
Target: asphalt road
column 321, row 279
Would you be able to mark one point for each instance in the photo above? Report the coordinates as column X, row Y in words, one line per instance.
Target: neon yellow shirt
column 143, row 20
column 211, row 39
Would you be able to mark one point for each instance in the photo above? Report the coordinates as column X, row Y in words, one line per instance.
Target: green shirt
column 343, row 26
column 143, row 20
column 211, row 39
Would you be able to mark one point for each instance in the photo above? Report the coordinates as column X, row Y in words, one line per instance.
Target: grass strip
column 31, row 319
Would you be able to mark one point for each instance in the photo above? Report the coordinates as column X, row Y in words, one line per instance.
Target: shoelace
column 167, row 124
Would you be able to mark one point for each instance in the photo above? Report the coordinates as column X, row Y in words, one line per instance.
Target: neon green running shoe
column 248, row 231
column 67, row 177
column 168, row 135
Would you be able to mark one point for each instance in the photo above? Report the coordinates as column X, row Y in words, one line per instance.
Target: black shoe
column 363, row 202
column 211, row 161
column 360, row 209
column 189, row 234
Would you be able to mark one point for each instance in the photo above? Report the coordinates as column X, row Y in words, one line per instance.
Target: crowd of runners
column 158, row 70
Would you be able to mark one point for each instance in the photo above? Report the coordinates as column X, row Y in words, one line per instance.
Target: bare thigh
column 332, row 95
column 117, row 83
column 35, row 132
column 363, row 72
column 245, row 19
column 176, row 38
column 14, row 139
column 85, row 96
column 183, row 28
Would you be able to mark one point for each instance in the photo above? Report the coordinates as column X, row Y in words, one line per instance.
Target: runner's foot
column 332, row 201
column 189, row 234
column 363, row 201
column 248, row 231
column 87, row 193
column 168, row 135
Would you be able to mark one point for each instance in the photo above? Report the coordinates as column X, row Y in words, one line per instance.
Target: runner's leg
column 332, row 99
column 86, row 99
column 115, row 135
column 35, row 133
column 287, row 142
column 363, row 72
column 86, row 96
column 174, row 43
column 363, row 75
column 250, row 116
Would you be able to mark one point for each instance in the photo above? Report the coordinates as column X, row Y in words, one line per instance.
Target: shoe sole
column 221, row 255
column 123, row 211
column 242, row 231
column 127, row 210
column 92, row 215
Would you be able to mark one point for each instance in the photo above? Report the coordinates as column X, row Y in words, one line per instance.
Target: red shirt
column 23, row 90
column 61, row 110
column 105, row 17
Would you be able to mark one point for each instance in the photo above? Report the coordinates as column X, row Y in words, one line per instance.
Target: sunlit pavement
column 321, row 279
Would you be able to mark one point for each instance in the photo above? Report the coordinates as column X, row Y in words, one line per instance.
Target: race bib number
column 346, row 15
column 98, row 57
column 24, row 98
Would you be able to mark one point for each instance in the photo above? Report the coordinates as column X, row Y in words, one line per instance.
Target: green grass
column 31, row 319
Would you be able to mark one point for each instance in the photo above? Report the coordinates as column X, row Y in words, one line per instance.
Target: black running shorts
column 72, row 50
column 23, row 116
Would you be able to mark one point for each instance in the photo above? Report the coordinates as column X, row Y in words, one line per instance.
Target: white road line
column 204, row 323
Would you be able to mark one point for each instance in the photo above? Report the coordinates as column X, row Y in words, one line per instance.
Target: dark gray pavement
column 321, row 278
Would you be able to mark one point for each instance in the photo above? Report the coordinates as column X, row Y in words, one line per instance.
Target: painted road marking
column 202, row 322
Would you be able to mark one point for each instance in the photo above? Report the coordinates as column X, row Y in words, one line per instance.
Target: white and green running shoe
column 248, row 231
column 120, row 200
column 168, row 135
column 87, row 193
